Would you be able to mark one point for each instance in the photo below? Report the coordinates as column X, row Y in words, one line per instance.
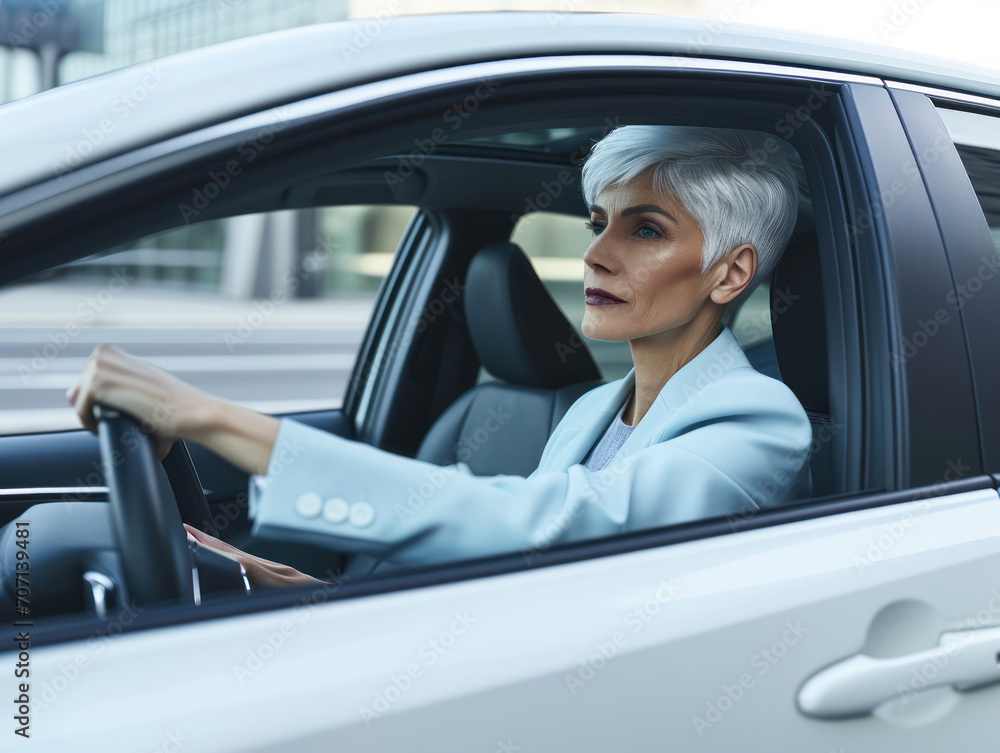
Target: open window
column 415, row 360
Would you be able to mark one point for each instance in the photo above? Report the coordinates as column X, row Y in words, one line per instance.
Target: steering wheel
column 146, row 523
column 187, row 488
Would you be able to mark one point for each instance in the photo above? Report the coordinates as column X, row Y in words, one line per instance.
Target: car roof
column 93, row 119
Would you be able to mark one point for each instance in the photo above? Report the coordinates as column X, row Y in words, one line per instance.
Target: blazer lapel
column 721, row 355
column 580, row 436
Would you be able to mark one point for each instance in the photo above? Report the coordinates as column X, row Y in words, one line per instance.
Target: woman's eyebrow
column 637, row 209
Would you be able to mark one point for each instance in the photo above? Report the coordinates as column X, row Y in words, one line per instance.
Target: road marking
column 64, row 419
column 38, row 336
column 23, row 373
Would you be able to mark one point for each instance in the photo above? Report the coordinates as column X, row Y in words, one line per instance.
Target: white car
column 866, row 618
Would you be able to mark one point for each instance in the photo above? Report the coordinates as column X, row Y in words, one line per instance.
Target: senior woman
column 684, row 222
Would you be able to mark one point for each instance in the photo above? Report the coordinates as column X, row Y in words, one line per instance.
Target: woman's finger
column 210, row 541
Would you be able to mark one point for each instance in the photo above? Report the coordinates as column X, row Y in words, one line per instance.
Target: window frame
column 967, row 238
column 820, row 161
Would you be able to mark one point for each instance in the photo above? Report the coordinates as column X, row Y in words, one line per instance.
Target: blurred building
column 139, row 30
column 248, row 257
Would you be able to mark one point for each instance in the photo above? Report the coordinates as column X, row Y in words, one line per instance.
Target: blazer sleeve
column 350, row 497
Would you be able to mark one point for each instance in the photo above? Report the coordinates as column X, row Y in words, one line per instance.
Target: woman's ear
column 740, row 266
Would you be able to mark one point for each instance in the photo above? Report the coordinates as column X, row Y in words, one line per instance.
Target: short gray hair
column 740, row 186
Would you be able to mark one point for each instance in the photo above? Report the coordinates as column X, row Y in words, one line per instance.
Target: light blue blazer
column 720, row 439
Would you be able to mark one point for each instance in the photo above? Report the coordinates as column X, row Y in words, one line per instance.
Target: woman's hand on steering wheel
column 262, row 573
column 166, row 408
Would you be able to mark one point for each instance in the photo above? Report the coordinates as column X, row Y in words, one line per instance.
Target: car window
column 267, row 310
column 555, row 244
column 977, row 138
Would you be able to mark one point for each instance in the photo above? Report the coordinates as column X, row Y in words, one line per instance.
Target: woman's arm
column 262, row 573
column 170, row 409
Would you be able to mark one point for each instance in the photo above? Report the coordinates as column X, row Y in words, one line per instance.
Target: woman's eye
column 648, row 232
column 594, row 227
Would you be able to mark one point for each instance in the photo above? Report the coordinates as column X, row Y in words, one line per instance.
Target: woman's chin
column 599, row 333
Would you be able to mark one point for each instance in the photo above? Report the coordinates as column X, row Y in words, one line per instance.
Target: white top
column 602, row 452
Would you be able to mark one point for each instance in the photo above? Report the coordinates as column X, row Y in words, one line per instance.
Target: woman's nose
column 601, row 253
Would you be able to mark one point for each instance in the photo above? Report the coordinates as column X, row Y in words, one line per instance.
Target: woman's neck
column 658, row 357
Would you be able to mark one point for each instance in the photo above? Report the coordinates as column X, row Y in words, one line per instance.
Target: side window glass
column 267, row 310
column 977, row 139
column 555, row 243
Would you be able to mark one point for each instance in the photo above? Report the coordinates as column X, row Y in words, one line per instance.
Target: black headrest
column 518, row 331
column 799, row 323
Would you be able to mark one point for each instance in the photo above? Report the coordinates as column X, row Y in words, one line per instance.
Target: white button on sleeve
column 362, row 514
column 309, row 505
column 335, row 510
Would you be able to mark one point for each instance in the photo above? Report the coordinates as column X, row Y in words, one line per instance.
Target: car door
column 814, row 627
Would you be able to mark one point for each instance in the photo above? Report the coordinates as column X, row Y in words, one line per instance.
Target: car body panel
column 646, row 644
column 150, row 102
column 821, row 589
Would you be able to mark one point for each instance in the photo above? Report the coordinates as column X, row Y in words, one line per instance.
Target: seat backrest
column 523, row 339
column 798, row 321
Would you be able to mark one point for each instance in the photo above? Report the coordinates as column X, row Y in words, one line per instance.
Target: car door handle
column 963, row 659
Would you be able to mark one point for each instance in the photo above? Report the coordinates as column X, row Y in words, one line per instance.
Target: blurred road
column 292, row 356
column 295, row 355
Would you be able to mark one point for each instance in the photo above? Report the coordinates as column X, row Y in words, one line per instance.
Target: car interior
column 417, row 399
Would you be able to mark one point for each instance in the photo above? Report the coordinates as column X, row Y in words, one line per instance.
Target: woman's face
column 646, row 251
